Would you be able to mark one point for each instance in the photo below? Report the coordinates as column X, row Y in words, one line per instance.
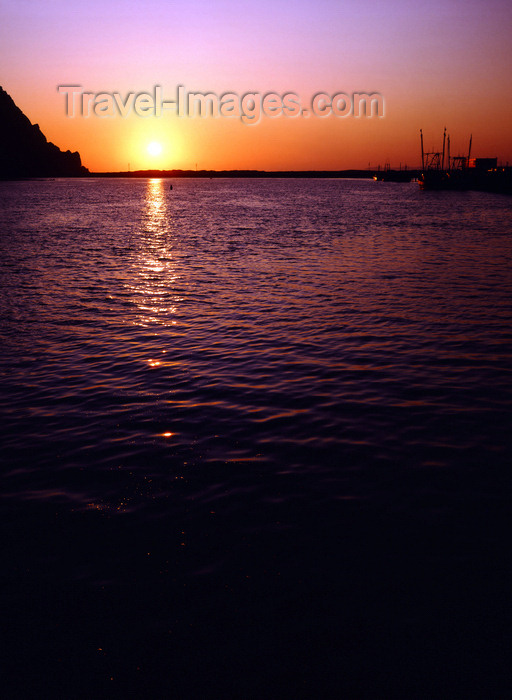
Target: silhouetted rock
column 24, row 150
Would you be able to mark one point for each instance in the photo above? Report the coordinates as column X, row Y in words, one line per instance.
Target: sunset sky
column 435, row 63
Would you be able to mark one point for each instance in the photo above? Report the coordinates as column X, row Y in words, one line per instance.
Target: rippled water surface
column 248, row 416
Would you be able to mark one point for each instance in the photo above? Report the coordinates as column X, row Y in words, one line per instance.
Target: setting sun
column 154, row 148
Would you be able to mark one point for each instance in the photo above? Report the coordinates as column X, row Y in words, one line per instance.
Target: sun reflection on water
column 155, row 205
column 153, row 287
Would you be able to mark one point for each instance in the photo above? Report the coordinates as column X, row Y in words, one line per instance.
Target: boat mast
column 444, row 142
column 469, row 152
column 422, row 155
column 448, row 145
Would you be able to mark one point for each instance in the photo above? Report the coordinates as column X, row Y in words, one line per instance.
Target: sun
column 154, row 148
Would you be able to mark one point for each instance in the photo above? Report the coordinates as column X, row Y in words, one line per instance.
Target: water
column 256, row 438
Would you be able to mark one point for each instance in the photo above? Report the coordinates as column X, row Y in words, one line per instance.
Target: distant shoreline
column 357, row 174
column 218, row 174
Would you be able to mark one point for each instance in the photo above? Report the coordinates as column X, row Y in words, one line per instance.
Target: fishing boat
column 441, row 171
column 434, row 175
column 388, row 175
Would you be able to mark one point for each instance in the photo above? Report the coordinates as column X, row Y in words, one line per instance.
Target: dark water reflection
column 256, row 438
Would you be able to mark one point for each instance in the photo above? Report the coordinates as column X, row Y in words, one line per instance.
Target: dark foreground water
column 256, row 440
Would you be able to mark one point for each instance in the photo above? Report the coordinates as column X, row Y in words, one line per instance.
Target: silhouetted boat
column 388, row 175
column 462, row 172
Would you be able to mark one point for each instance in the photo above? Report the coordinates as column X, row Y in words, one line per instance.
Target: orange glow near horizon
column 282, row 143
column 436, row 65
